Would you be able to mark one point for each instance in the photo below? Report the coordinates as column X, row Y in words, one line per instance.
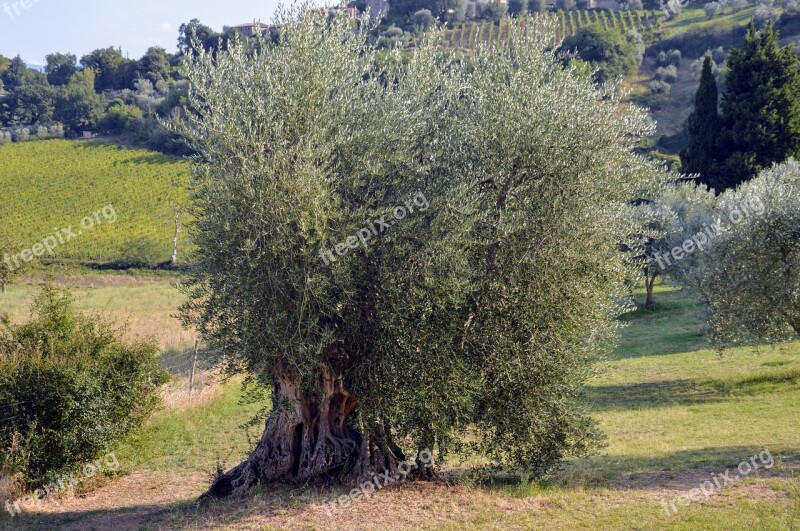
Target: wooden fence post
column 194, row 363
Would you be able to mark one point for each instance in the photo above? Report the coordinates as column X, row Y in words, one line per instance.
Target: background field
column 467, row 35
column 53, row 184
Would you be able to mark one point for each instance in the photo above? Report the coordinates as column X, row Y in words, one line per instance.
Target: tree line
column 105, row 91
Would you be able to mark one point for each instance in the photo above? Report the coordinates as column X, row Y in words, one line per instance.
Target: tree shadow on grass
column 131, row 517
column 684, row 469
column 187, row 514
column 647, row 395
column 688, row 392
column 152, row 159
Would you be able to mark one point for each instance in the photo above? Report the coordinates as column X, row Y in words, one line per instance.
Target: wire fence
column 186, row 364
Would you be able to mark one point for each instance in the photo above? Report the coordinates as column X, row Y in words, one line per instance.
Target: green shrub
column 120, row 118
column 606, row 49
column 69, row 389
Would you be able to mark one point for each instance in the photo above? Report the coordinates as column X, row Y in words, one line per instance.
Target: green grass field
column 695, row 19
column 51, row 185
column 674, row 413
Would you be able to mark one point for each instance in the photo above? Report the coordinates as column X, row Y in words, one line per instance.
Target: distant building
column 254, row 29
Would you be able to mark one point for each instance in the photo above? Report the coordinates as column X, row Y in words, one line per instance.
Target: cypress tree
column 701, row 156
column 761, row 106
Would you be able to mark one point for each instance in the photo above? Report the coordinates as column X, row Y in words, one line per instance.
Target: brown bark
column 310, row 436
column 650, row 281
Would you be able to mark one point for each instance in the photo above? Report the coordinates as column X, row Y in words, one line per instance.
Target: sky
column 35, row 28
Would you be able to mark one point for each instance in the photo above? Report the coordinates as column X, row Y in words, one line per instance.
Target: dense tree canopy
column 605, row 49
column 14, row 74
column 108, row 65
column 470, row 321
column 761, row 104
column 760, row 113
column 60, row 67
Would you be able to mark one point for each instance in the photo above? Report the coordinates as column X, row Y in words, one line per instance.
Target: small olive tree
column 468, row 316
column 686, row 218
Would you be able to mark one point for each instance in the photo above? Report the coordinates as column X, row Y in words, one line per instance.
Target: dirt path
column 150, row 500
column 141, row 500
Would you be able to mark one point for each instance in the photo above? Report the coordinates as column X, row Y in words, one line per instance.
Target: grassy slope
column 55, row 183
column 695, row 19
column 673, row 412
column 145, row 304
column 468, row 34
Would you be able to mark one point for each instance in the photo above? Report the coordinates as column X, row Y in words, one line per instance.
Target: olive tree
column 686, row 215
column 751, row 275
column 411, row 253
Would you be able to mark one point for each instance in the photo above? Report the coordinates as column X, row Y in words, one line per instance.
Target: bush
column 712, row 9
column 744, row 275
column 697, row 65
column 423, row 19
column 70, row 388
column 658, row 86
column 667, row 73
column 636, row 39
column 33, row 132
column 537, row 6
column 121, row 118
column 669, row 57
column 492, row 9
column 765, row 13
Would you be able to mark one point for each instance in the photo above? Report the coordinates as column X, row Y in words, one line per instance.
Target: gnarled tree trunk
column 311, row 436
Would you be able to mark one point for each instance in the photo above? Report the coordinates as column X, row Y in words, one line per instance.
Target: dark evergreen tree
column 14, row 75
column 60, row 67
column 702, row 155
column 761, row 106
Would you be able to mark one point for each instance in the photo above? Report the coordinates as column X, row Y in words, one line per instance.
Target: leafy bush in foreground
column 69, row 389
